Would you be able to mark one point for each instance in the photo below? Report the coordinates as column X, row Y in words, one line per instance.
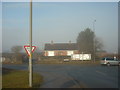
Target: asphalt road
column 75, row 76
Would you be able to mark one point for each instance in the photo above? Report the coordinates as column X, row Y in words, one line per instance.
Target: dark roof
column 61, row 46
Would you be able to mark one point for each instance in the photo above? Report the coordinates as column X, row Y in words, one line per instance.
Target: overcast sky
column 60, row 22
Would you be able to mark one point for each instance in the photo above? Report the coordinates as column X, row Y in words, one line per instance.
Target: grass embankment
column 53, row 61
column 83, row 62
column 20, row 79
column 60, row 60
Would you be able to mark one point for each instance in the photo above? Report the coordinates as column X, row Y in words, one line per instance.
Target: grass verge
column 97, row 62
column 20, row 79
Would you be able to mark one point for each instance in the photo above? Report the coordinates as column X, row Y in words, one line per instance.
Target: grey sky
column 59, row 22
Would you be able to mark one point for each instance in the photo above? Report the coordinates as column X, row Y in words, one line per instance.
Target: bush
column 55, row 57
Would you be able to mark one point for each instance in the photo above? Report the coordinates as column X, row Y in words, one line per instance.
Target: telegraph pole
column 30, row 57
column 94, row 38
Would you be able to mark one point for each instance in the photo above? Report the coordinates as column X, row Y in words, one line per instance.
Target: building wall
column 60, row 52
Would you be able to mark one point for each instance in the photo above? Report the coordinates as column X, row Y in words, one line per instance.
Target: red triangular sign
column 27, row 49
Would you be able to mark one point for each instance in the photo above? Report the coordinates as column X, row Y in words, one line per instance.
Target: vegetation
column 19, row 79
column 70, row 62
column 17, row 55
column 55, row 57
column 60, row 60
column 16, row 49
column 88, row 42
column 10, row 58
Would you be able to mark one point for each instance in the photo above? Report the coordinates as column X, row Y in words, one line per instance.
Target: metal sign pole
column 30, row 57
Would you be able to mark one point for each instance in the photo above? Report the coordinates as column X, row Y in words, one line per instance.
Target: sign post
column 30, row 57
column 29, row 51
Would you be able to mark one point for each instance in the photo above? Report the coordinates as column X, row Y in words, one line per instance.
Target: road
column 74, row 76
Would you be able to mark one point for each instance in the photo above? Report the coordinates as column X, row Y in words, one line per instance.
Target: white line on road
column 101, row 73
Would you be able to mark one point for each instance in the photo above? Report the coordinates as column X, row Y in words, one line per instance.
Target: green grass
column 20, row 79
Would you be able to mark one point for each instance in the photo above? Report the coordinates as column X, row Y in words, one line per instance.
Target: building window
column 69, row 53
column 50, row 53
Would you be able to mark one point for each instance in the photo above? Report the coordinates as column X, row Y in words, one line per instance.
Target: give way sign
column 27, row 49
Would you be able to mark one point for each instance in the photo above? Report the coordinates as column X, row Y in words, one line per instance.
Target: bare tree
column 98, row 44
column 16, row 51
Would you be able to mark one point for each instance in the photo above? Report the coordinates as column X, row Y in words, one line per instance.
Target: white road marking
column 101, row 73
